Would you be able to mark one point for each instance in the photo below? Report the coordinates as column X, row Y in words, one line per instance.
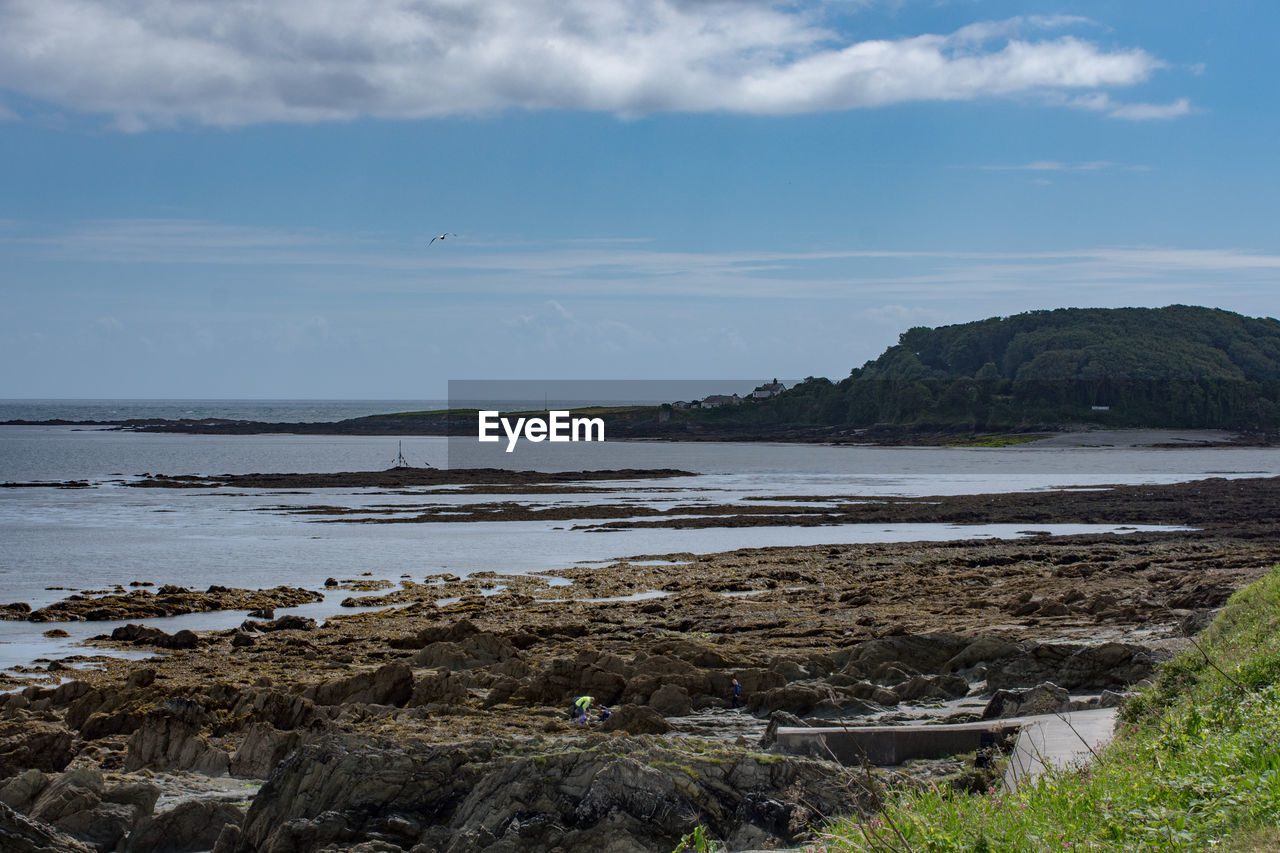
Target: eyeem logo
column 557, row 426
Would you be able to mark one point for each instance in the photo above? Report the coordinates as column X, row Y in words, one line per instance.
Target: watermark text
column 559, row 425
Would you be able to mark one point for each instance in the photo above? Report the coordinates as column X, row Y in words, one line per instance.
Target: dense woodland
column 1179, row 366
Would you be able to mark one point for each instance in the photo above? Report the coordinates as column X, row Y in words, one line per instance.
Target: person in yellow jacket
column 581, row 707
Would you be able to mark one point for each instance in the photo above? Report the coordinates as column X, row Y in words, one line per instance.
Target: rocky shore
column 1238, row 505
column 168, row 600
column 426, row 727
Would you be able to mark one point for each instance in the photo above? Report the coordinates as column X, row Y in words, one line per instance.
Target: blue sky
column 222, row 198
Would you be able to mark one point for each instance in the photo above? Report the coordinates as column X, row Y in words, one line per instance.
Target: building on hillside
column 767, row 390
column 715, row 401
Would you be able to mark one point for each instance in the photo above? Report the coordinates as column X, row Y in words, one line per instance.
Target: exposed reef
column 440, row 722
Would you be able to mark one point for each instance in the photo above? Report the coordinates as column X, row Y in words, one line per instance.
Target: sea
column 54, row 541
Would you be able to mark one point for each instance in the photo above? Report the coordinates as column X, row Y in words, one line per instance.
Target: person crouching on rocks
column 604, row 714
column 582, row 707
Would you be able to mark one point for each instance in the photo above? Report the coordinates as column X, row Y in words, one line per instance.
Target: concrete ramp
column 1048, row 740
column 1057, row 740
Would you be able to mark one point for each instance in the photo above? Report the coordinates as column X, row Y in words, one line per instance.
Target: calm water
column 283, row 411
column 108, row 534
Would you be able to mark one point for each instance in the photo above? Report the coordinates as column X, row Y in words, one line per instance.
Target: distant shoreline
column 443, row 424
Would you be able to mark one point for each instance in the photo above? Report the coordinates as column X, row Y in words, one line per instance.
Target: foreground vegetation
column 1195, row 767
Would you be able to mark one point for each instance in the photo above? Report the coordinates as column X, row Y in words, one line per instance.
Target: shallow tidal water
column 107, row 534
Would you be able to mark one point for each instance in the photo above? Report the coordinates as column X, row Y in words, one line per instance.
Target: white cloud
column 1144, row 112
column 1101, row 102
column 231, row 62
column 1060, row 166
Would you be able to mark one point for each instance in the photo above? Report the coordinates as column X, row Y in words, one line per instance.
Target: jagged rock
column 798, row 699
column 88, row 704
column 73, row 803
column 288, row 622
column 19, row 834
column 1025, row 609
column 789, row 670
column 20, row 792
column 143, row 795
column 1196, row 621
column 229, row 840
column 636, row 720
column 500, row 691
column 145, row 635
column 66, row 794
column 454, row 633
column 697, row 654
column 921, row 652
column 438, row 688
column 242, row 639
column 483, row 649
column 191, row 825
column 1111, row 699
column 1046, row 698
column 442, row 654
column 931, row 687
column 671, row 701
column 261, row 750
column 280, row 710
column 101, row 725
column 391, row 684
column 778, row 719
column 661, row 665
column 888, row 674
column 512, row 667
column 33, row 744
column 755, row 679
column 65, row 694
column 981, row 650
column 1073, row 666
column 167, row 742
column 563, row 677
column 623, row 795
column 143, row 677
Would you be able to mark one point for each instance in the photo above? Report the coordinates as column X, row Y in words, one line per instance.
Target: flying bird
column 442, row 236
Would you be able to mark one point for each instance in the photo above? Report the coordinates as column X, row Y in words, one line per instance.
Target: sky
column 237, row 199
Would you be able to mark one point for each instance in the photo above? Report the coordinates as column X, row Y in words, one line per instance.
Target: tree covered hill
column 1179, row 366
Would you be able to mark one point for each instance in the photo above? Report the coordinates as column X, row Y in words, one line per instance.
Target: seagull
column 442, row 236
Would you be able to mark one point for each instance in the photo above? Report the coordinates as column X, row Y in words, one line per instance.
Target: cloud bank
column 232, row 62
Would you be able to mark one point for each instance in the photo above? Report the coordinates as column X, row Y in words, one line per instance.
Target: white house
column 767, row 390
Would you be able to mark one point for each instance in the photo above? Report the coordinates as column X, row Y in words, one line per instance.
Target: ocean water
column 109, row 534
column 282, row 411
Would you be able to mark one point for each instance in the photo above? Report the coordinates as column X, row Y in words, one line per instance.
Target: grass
column 995, row 440
column 1196, row 765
